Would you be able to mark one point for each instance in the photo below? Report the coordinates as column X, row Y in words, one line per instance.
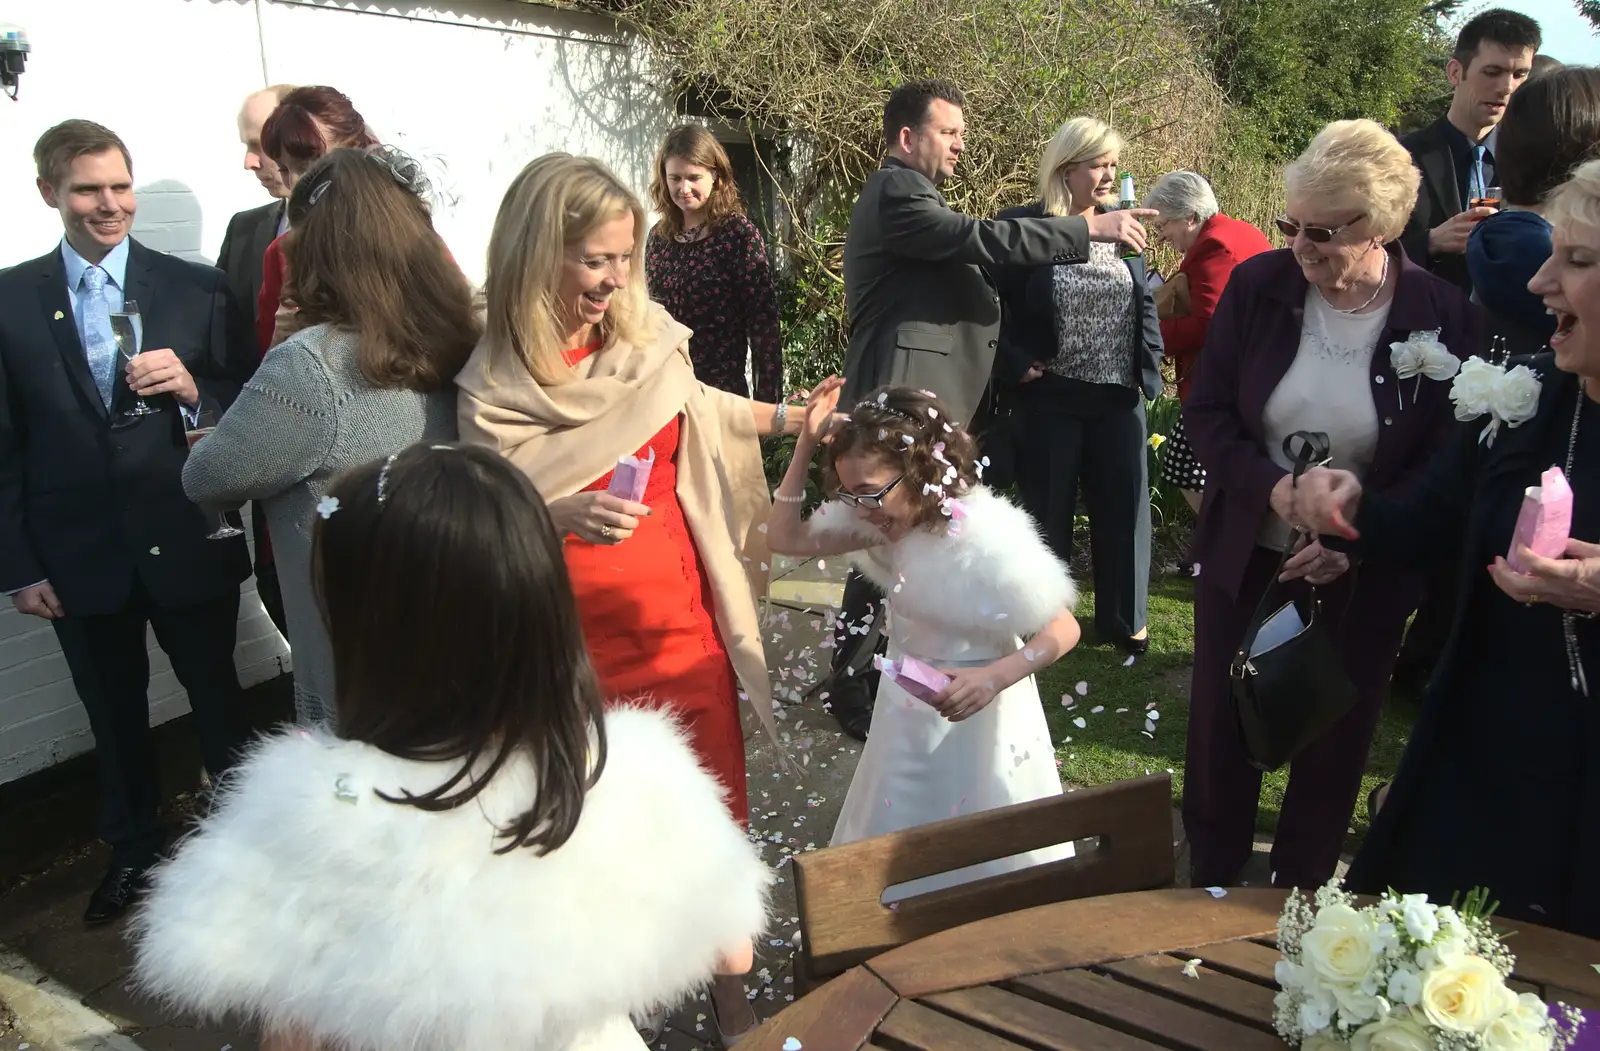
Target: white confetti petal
column 1128, row 663
column 1191, row 969
column 1082, row 688
column 1080, row 722
column 1149, row 727
column 1216, row 892
column 791, row 1044
column 1152, row 714
column 1097, row 709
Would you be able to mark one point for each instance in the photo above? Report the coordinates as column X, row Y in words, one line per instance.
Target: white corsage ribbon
column 1422, row 356
column 1510, row 397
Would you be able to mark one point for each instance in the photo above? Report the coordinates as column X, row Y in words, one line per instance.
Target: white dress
column 957, row 600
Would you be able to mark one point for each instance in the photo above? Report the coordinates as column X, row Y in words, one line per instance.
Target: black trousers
column 856, row 692
column 1094, row 435
column 111, row 671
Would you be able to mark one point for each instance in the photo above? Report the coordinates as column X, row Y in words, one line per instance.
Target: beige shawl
column 564, row 437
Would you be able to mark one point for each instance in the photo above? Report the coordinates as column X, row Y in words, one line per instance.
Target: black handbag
column 1292, row 691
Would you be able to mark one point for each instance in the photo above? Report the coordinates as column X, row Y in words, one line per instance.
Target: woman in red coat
column 1212, row 244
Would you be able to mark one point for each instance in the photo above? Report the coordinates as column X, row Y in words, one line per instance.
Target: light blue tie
column 1479, row 186
column 98, row 343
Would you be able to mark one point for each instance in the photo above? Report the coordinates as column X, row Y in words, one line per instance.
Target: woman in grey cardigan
column 389, row 322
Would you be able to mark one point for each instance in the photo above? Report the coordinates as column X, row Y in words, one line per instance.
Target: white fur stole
column 991, row 574
column 305, row 901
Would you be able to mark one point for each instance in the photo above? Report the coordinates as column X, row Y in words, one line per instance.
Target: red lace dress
column 646, row 609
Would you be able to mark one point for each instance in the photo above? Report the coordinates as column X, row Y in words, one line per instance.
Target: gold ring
column 1533, row 600
column 605, row 532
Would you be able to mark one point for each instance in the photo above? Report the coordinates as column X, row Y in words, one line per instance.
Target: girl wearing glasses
column 1304, row 339
column 968, row 578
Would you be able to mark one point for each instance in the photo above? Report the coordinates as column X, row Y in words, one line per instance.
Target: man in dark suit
column 1493, row 56
column 96, row 535
column 922, row 310
column 249, row 233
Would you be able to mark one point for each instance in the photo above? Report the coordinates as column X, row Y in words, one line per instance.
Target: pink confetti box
column 922, row 681
column 631, row 477
column 1545, row 520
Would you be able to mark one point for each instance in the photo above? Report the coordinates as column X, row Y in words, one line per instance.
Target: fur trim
column 992, row 575
column 305, row 901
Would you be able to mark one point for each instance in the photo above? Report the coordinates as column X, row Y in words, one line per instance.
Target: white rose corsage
column 1422, row 355
column 1508, row 396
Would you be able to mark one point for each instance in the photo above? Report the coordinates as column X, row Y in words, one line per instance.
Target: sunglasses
column 869, row 501
column 1315, row 234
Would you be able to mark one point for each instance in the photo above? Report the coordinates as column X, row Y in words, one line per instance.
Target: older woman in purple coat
column 1301, row 340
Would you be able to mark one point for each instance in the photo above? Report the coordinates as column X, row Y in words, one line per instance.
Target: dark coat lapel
column 63, row 326
column 1439, row 171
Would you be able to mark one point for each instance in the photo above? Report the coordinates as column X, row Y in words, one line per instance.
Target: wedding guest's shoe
column 651, row 1025
column 119, row 889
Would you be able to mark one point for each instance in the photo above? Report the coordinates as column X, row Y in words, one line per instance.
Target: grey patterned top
column 305, row 416
column 1094, row 319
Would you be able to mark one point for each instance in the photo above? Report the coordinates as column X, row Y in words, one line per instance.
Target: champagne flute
column 127, row 328
column 205, row 423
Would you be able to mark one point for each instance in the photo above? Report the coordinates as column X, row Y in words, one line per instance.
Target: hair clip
column 383, row 479
column 327, row 506
column 879, row 406
column 316, row 193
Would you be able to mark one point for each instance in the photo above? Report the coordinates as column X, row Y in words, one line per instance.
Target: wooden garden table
column 1103, row 974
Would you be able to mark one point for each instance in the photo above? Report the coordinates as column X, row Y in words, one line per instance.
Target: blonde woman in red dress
column 577, row 369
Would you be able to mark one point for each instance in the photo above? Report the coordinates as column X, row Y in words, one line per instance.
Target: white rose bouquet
column 1404, row 975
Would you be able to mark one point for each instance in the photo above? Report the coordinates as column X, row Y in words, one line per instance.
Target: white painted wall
column 474, row 88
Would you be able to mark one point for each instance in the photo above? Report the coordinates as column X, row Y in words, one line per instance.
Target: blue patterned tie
column 98, row 343
column 1479, row 187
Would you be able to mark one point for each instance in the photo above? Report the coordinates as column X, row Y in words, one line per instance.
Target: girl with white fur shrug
column 482, row 861
column 967, row 578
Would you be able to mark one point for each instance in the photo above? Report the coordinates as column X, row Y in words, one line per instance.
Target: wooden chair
column 843, row 921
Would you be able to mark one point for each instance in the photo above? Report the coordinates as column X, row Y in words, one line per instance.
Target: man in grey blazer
column 922, row 310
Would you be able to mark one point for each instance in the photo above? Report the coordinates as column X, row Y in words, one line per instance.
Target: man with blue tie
column 1493, row 56
column 96, row 536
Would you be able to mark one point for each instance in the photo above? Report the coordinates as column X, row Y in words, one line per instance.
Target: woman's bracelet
column 783, row 499
column 780, row 418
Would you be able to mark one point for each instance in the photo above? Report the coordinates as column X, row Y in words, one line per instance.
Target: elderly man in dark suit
column 249, row 233
column 923, row 312
column 96, row 535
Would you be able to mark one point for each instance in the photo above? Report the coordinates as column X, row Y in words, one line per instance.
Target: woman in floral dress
column 707, row 264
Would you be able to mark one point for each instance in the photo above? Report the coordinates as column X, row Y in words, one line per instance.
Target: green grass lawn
column 1112, row 746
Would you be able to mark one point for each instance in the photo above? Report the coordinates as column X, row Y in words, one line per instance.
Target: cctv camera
column 13, row 57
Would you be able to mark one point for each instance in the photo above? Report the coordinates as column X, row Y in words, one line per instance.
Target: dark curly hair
column 910, row 428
